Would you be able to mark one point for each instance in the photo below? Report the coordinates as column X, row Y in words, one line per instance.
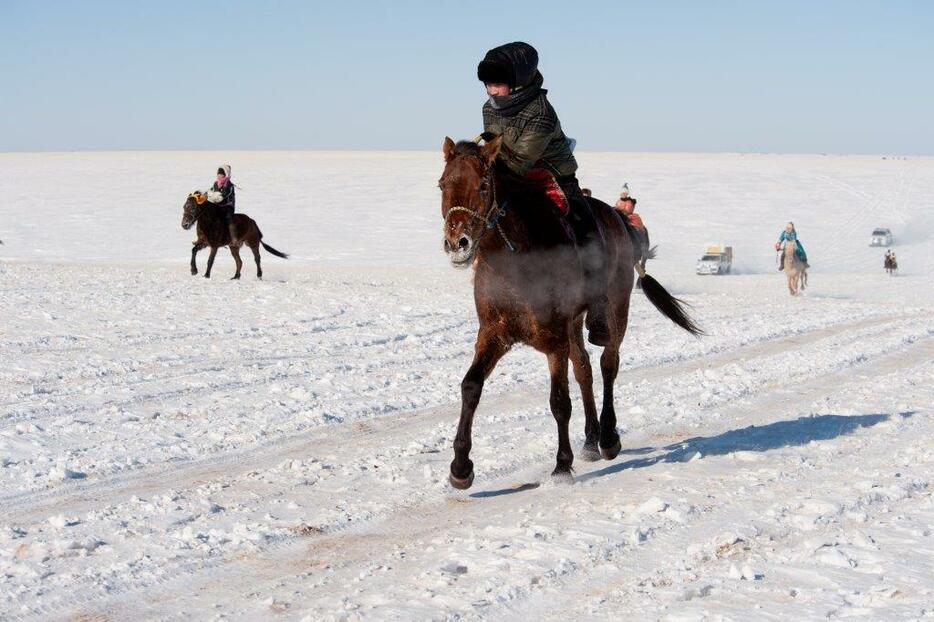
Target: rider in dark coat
column 224, row 196
column 519, row 110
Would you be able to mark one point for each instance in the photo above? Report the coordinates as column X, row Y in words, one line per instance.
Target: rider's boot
column 590, row 244
column 230, row 226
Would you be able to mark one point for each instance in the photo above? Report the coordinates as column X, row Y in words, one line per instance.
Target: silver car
column 881, row 237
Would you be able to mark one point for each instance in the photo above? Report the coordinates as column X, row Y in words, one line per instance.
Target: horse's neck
column 208, row 216
column 790, row 248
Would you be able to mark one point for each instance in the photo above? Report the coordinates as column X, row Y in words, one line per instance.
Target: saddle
column 545, row 180
column 635, row 220
column 638, row 234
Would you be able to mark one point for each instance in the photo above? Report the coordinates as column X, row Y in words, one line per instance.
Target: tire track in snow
column 21, row 505
column 211, row 370
column 412, row 529
column 87, row 498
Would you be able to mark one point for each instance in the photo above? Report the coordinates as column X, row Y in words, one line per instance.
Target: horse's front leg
column 196, row 246
column 487, row 352
column 207, row 273
column 561, row 408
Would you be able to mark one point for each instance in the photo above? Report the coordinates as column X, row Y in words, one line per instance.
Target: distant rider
column 786, row 236
column 534, row 143
column 224, row 197
column 626, row 204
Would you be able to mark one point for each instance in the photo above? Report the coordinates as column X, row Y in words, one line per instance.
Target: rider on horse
column 534, row 146
column 789, row 234
column 223, row 195
column 626, row 205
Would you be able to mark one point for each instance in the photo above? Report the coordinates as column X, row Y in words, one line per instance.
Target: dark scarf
column 510, row 105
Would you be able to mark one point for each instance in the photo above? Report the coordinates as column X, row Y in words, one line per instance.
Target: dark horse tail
column 671, row 307
column 274, row 251
column 268, row 248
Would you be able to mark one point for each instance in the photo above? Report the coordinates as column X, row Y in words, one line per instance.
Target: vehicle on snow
column 717, row 259
column 881, row 237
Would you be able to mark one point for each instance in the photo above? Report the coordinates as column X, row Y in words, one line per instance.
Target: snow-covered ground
column 178, row 448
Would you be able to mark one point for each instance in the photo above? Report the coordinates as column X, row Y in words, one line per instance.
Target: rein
column 490, row 221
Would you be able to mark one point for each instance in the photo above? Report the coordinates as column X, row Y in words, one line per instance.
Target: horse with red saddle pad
column 529, row 288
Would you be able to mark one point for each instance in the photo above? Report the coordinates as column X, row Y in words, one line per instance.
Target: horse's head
column 467, row 196
column 192, row 208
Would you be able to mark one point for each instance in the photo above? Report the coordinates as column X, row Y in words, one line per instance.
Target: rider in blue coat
column 791, row 235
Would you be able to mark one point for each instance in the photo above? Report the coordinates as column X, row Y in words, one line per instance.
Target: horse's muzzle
column 186, row 224
column 461, row 251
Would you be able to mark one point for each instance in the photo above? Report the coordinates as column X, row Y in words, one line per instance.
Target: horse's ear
column 490, row 149
column 448, row 149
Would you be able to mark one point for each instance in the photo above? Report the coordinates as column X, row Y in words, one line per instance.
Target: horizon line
column 388, row 150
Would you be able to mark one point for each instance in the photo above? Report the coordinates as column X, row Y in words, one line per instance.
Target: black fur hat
column 515, row 64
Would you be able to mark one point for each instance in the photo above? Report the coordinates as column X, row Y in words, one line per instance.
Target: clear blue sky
column 818, row 76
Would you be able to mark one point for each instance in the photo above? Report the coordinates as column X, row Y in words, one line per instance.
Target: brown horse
column 212, row 231
column 528, row 289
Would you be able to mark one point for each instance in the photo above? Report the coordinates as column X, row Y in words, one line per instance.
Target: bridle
column 494, row 213
column 200, row 199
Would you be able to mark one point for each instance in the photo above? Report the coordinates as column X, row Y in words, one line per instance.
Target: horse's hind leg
column 235, row 251
column 197, row 246
column 561, row 408
column 259, row 268
column 207, row 273
column 487, row 352
column 583, row 373
column 610, row 445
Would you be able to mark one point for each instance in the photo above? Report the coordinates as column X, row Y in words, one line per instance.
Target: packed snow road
column 173, row 447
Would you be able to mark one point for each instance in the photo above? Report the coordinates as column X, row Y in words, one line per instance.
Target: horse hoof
column 610, row 453
column 461, row 484
column 194, row 272
column 236, row 277
column 563, row 475
column 207, row 276
column 590, row 453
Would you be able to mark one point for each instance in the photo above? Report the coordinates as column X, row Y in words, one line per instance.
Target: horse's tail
column 267, row 246
column 274, row 251
column 670, row 307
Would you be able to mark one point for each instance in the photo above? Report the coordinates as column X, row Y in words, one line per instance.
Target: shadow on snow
column 799, row 431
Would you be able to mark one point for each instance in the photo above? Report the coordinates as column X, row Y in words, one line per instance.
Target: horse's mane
column 526, row 197
column 467, row 148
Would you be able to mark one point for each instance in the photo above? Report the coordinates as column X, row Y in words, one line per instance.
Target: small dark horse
column 213, row 231
column 528, row 289
column 890, row 264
